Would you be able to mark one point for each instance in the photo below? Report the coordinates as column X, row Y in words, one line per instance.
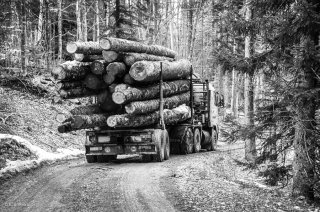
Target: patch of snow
column 42, row 156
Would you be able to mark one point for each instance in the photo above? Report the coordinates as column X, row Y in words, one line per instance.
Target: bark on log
column 87, row 57
column 148, row 106
column 106, row 103
column 173, row 116
column 131, row 58
column 94, row 82
column 84, row 47
column 86, row 110
column 84, row 122
column 112, row 56
column 120, row 87
column 71, row 70
column 77, row 93
column 98, row 67
column 135, row 94
column 149, row 71
column 129, row 80
column 121, row 45
column 114, row 70
column 68, row 85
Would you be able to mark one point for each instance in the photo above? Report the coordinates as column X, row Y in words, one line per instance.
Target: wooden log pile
column 124, row 76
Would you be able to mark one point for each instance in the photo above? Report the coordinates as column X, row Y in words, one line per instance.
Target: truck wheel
column 91, row 158
column 166, row 142
column 157, row 139
column 196, row 140
column 106, row 158
column 186, row 145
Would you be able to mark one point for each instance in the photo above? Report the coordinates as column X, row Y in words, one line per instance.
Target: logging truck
column 155, row 143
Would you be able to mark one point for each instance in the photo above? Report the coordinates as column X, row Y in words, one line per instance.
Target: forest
column 263, row 56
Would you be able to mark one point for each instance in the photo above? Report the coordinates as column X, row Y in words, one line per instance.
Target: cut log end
column 129, row 108
column 138, row 70
column 118, row 97
column 105, row 44
column 111, row 121
column 110, row 56
column 71, row 47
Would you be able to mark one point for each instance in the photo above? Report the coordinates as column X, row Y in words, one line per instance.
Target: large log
column 83, row 122
column 122, row 45
column 98, row 67
column 131, row 58
column 127, row 79
column 148, row 106
column 94, row 82
column 114, row 70
column 77, row 93
column 68, row 85
column 71, row 70
column 173, row 116
column 149, row 71
column 106, row 103
column 89, row 47
column 87, row 57
column 112, row 56
column 86, row 110
column 150, row 92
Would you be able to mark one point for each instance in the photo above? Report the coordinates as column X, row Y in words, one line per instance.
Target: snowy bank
column 41, row 155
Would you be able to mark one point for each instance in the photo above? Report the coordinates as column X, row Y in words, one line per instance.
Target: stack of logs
column 124, row 76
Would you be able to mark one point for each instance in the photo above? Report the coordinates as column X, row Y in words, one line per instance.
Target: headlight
column 91, row 138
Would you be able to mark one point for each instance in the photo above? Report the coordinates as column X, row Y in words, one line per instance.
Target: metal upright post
column 162, row 124
column 191, row 93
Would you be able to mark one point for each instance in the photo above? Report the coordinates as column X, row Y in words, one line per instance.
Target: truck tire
column 166, row 142
column 91, row 158
column 105, row 158
column 196, row 140
column 157, row 139
column 186, row 145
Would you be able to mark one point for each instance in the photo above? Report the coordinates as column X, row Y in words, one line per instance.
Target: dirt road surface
column 208, row 181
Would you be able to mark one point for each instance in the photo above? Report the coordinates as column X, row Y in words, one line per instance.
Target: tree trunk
column 98, row 67
column 114, row 70
column 148, row 106
column 150, row 92
column 40, row 22
column 149, row 71
column 87, row 57
column 106, row 103
column 131, row 58
column 112, row 56
column 71, row 70
column 59, row 30
column 89, row 47
column 23, row 19
column 86, row 110
column 250, row 143
column 84, row 21
column 305, row 141
column 97, row 20
column 94, row 82
column 234, row 94
column 173, row 116
column 122, row 45
column 68, row 85
column 83, row 122
column 79, row 25
column 77, row 93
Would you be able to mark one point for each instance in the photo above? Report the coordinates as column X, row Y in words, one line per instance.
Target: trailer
column 156, row 143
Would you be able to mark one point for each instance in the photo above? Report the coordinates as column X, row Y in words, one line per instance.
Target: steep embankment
column 31, row 114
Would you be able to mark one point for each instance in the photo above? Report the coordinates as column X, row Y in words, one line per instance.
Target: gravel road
column 209, row 181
